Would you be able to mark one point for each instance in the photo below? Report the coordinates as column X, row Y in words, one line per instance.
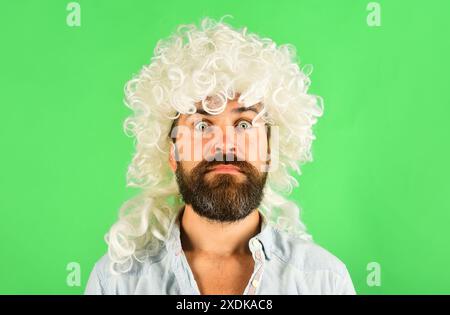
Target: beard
column 224, row 197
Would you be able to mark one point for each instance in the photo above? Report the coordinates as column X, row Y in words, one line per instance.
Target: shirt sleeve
column 344, row 285
column 95, row 282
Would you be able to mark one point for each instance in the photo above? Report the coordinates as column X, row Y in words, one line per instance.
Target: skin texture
column 217, row 251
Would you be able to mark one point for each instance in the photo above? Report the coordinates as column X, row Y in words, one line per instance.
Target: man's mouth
column 225, row 169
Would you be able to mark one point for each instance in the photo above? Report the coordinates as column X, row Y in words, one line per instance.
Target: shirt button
column 255, row 243
column 255, row 283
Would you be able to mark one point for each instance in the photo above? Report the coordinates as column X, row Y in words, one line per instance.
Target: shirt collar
column 173, row 240
column 265, row 235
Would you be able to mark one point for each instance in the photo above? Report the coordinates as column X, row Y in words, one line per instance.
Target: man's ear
column 172, row 159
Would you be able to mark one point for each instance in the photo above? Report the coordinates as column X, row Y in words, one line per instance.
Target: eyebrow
column 252, row 108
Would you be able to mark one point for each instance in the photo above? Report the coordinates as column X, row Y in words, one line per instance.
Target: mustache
column 225, row 159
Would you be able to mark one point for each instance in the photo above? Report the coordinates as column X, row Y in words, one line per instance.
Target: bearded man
column 221, row 117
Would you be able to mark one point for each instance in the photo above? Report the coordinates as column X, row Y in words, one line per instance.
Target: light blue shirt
column 284, row 264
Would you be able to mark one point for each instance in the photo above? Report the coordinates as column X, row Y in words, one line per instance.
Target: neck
column 200, row 235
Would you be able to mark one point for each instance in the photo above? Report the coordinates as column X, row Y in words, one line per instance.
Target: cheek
column 189, row 149
column 188, row 166
column 254, row 147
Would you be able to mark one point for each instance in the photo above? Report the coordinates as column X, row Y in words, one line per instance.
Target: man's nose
column 226, row 142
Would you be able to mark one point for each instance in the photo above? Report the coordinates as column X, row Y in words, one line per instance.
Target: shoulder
column 106, row 277
column 102, row 267
column 96, row 283
column 322, row 272
column 304, row 254
column 105, row 267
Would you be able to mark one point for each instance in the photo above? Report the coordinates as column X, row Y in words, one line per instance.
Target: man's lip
column 225, row 167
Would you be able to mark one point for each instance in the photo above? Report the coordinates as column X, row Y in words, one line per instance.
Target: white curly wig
column 195, row 62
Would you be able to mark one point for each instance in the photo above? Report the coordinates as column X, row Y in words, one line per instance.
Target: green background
column 378, row 189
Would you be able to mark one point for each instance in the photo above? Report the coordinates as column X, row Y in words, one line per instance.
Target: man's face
column 221, row 161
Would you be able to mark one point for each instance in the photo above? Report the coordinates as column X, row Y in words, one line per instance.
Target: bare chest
column 216, row 275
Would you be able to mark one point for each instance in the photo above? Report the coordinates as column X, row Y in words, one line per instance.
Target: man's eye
column 201, row 126
column 243, row 124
